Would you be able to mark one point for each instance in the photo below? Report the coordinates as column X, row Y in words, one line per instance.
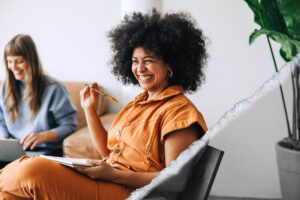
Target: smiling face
column 17, row 65
column 150, row 71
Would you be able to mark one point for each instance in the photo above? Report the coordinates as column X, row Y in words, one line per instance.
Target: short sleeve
column 181, row 116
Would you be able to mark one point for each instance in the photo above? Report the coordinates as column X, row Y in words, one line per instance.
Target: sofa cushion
column 80, row 145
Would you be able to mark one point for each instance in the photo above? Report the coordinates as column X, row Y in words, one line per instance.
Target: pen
column 109, row 97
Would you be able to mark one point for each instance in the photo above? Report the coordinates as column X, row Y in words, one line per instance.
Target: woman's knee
column 26, row 171
column 36, row 169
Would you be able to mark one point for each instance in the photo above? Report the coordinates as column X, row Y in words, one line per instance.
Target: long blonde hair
column 34, row 81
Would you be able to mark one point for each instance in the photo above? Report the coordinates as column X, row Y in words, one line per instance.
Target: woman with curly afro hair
column 174, row 39
column 165, row 56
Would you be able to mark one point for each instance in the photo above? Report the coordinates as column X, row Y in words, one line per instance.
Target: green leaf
column 254, row 6
column 289, row 47
column 290, row 10
column 255, row 34
column 280, row 20
column 267, row 15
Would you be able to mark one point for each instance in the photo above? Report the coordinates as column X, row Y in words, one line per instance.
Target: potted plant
column 280, row 21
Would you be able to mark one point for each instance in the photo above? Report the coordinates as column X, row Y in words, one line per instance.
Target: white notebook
column 71, row 162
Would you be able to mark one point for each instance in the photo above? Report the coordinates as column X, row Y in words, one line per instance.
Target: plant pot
column 288, row 162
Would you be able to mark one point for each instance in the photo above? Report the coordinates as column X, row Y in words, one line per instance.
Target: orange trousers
column 42, row 179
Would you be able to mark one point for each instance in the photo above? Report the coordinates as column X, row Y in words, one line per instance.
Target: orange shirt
column 136, row 137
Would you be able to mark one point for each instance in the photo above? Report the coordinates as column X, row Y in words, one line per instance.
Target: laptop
column 11, row 149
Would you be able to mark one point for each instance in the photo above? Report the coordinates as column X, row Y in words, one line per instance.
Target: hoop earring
column 170, row 73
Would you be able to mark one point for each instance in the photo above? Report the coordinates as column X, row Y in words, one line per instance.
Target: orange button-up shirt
column 136, row 137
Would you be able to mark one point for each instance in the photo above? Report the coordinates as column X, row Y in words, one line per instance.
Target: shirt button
column 118, row 133
column 117, row 150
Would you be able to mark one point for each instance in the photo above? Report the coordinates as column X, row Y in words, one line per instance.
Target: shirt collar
column 165, row 94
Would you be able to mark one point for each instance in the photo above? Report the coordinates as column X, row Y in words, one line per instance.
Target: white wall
column 71, row 39
column 249, row 166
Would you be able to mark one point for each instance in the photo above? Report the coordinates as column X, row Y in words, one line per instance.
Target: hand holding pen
column 102, row 93
column 88, row 97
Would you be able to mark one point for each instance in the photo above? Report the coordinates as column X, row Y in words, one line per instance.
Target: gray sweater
column 56, row 113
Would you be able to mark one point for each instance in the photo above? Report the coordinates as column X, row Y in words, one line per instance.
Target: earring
column 170, row 73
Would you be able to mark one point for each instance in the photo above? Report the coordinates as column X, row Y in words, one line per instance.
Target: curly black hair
column 174, row 38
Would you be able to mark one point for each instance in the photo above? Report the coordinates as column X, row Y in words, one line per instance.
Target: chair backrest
column 204, row 172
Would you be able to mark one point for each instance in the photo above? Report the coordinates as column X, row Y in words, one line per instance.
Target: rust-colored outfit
column 136, row 138
column 136, row 141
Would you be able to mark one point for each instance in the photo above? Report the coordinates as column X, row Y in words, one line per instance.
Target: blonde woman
column 34, row 108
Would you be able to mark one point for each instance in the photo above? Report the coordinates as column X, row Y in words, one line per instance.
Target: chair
column 189, row 177
column 204, row 172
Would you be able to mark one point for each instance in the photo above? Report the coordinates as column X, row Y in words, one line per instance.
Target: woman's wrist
column 89, row 110
column 90, row 113
column 119, row 176
column 49, row 136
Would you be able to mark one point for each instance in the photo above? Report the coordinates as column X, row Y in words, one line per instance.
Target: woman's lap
column 8, row 196
column 39, row 178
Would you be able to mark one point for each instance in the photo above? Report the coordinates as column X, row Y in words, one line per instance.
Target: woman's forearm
column 134, row 179
column 97, row 131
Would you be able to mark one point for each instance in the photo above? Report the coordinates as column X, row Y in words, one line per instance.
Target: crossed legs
column 39, row 178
